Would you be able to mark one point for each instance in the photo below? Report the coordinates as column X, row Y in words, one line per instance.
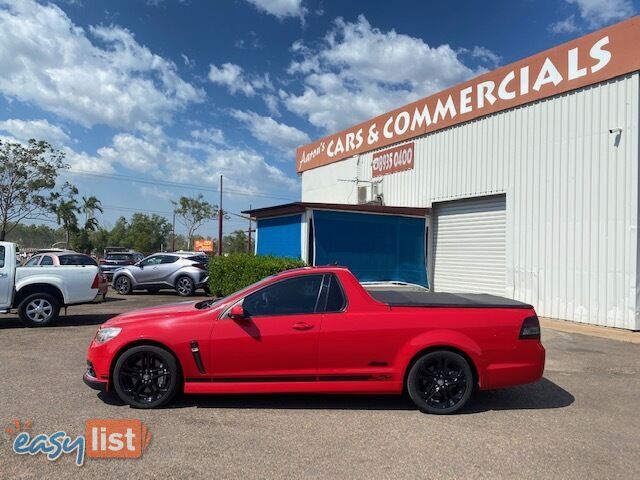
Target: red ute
column 319, row 330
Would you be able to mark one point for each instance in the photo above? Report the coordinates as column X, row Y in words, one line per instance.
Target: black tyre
column 146, row 376
column 185, row 286
column 440, row 382
column 122, row 285
column 38, row 310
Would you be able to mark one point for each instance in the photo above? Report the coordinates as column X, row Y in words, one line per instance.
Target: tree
column 236, row 242
column 192, row 213
column 28, row 174
column 147, row 233
column 66, row 208
column 89, row 207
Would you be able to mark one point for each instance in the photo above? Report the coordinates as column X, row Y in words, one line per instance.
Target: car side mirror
column 237, row 312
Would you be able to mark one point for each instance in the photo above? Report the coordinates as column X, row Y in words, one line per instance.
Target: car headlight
column 107, row 333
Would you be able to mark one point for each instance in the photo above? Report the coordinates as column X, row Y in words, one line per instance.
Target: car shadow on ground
column 63, row 321
column 541, row 395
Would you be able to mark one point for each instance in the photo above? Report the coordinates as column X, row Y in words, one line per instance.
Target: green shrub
column 234, row 272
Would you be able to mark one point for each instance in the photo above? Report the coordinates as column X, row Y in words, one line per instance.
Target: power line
column 117, row 176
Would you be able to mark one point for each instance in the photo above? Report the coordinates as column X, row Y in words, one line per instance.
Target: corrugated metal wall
column 571, row 190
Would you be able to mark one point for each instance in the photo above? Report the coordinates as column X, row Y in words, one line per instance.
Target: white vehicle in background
column 38, row 293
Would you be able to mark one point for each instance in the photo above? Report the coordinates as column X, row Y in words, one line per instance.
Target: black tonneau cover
column 408, row 296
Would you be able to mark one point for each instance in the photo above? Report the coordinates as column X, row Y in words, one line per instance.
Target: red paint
column 365, row 349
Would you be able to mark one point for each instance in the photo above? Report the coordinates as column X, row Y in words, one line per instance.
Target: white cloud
column 233, row 77
column 101, row 77
column 598, row 13
column 271, row 101
column 360, row 71
column 487, row 56
column 281, row 8
column 566, row 26
column 24, row 130
column 282, row 137
column 213, row 135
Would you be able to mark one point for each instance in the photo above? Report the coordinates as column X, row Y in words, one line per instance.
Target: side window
column 169, row 259
column 152, row 261
column 2, row 254
column 46, row 260
column 292, row 296
column 33, row 261
column 335, row 297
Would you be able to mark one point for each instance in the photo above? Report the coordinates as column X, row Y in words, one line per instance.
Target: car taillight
column 201, row 266
column 530, row 329
column 96, row 281
column 101, row 261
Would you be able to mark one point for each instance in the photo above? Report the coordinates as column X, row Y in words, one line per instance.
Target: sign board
column 392, row 160
column 594, row 58
column 203, row 245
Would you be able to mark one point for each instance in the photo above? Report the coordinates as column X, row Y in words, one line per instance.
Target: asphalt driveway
column 580, row 421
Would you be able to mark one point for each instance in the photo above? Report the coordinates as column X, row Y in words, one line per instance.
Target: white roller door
column 470, row 245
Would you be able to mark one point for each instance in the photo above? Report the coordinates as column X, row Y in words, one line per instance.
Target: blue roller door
column 374, row 247
column 280, row 236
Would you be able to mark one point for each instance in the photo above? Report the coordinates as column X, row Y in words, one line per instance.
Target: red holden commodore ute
column 318, row 330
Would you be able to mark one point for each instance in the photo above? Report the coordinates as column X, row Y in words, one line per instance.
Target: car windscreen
column 119, row 257
column 76, row 260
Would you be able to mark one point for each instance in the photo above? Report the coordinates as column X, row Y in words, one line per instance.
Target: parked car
column 39, row 293
column 183, row 271
column 112, row 261
column 65, row 258
column 317, row 330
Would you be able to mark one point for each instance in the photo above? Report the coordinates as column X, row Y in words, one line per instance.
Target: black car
column 115, row 260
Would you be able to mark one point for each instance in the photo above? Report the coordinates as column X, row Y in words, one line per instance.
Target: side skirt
column 296, row 386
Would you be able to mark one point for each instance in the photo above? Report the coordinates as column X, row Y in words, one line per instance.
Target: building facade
column 530, row 172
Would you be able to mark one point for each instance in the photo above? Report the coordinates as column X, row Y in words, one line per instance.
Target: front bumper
column 94, row 383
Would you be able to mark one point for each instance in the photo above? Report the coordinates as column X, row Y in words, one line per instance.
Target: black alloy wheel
column 146, row 376
column 440, row 382
column 122, row 285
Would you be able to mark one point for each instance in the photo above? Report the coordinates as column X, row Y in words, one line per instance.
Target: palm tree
column 89, row 207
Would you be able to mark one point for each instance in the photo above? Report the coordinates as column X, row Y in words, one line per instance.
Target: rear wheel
column 440, row 382
column 122, row 285
column 146, row 376
column 185, row 286
column 38, row 310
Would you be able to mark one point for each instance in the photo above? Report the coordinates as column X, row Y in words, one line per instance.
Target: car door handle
column 4, row 275
column 302, row 326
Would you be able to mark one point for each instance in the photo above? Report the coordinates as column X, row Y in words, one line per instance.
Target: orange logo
column 116, row 438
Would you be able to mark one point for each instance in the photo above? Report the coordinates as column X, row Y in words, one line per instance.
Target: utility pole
column 220, row 214
column 250, row 230
column 173, row 235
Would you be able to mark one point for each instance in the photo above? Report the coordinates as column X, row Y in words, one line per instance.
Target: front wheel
column 38, row 310
column 440, row 382
column 122, row 285
column 146, row 376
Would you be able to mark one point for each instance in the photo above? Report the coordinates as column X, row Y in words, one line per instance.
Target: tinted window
column 76, row 260
column 168, row 259
column 2, row 257
column 119, row 256
column 292, row 296
column 33, row 261
column 152, row 261
column 335, row 298
column 46, row 260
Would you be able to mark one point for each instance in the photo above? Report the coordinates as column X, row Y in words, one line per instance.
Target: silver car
column 183, row 271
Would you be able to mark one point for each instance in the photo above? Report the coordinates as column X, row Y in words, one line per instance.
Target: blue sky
column 165, row 92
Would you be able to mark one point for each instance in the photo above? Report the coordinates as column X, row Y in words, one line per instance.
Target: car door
column 147, row 270
column 277, row 340
column 167, row 268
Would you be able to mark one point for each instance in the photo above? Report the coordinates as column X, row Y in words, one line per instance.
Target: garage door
column 470, row 245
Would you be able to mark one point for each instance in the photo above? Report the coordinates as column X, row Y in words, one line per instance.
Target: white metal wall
column 571, row 191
